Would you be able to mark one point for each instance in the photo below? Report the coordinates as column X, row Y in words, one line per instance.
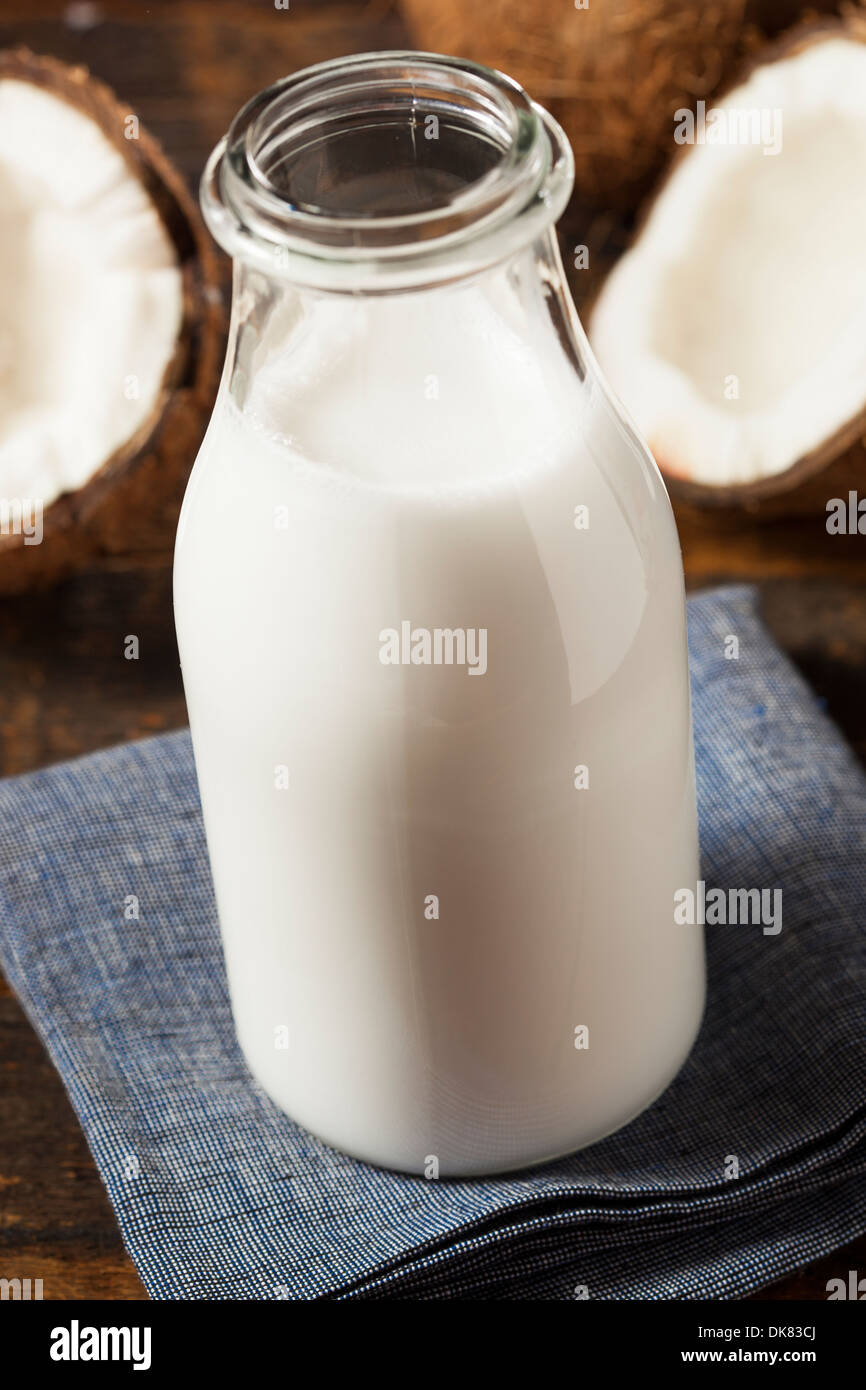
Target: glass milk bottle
column 429, row 602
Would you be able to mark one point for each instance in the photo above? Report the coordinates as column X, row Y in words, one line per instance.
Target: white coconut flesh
column 734, row 330
column 90, row 296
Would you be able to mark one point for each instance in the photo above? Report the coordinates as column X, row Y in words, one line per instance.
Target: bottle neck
column 384, row 172
column 305, row 362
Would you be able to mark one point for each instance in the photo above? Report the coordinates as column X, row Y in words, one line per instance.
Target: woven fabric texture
column 219, row 1195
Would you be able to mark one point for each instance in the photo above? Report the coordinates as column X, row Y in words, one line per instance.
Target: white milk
column 419, row 907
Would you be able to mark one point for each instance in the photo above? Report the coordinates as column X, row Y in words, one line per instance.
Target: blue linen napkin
column 219, row 1195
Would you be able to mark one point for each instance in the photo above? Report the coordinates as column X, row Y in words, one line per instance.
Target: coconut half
column 734, row 329
column 91, row 292
column 107, row 319
column 610, row 71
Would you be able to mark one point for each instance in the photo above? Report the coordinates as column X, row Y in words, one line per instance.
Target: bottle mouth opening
column 367, row 166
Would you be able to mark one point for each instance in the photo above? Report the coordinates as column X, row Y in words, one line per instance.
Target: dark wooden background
column 186, row 66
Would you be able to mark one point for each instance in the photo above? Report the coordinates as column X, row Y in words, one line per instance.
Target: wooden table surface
column 65, row 688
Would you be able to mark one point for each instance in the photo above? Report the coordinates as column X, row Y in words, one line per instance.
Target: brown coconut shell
column 131, row 502
column 612, row 74
column 839, row 464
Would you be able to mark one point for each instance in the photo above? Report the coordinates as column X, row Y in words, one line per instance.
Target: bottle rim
column 459, row 225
